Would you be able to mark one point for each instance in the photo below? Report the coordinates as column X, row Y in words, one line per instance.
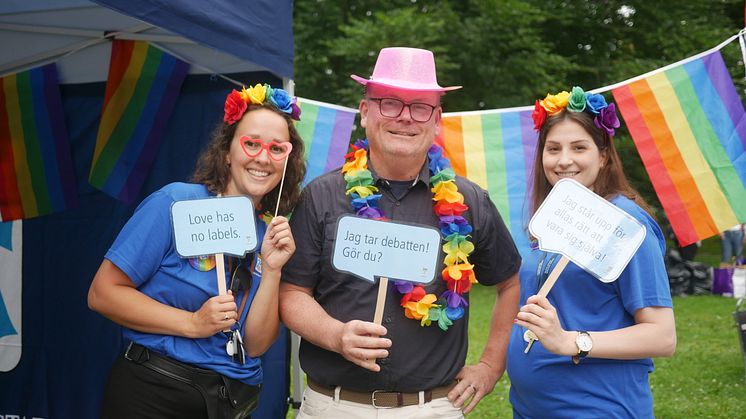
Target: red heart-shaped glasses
column 254, row 146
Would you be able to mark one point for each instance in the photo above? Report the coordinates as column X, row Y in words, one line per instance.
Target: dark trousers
column 134, row 391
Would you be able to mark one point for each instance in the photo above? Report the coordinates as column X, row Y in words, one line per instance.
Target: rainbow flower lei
column 458, row 273
column 237, row 102
column 604, row 115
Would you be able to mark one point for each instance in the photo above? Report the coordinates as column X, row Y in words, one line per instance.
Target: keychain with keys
column 238, row 352
column 529, row 337
column 230, row 346
column 234, row 347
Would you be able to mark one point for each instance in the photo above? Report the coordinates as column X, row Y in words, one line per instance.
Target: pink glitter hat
column 405, row 68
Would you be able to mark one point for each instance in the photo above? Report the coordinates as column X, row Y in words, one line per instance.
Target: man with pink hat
column 414, row 361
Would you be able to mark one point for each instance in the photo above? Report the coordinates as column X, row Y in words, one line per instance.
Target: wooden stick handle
column 282, row 182
column 220, row 268
column 558, row 268
column 383, row 286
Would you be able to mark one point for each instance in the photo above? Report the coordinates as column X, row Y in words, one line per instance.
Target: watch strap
column 581, row 353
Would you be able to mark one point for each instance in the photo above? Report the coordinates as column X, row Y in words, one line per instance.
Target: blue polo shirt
column 145, row 251
column 545, row 385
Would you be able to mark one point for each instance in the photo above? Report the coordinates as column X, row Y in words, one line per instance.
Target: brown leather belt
column 382, row 398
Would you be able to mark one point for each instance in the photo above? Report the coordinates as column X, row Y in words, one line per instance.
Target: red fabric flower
column 445, row 208
column 539, row 115
column 415, row 295
column 459, row 286
column 234, row 108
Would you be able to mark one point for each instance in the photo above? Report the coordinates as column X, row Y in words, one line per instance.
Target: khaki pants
column 317, row 405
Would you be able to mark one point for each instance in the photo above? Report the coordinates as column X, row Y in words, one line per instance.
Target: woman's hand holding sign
column 540, row 316
column 278, row 244
column 583, row 228
column 217, row 313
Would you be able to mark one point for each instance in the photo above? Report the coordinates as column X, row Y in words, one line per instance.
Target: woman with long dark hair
column 595, row 339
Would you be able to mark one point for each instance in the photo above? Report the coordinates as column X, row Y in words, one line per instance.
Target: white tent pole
column 46, row 57
column 201, row 67
column 296, row 396
column 54, row 30
column 169, row 39
column 131, row 36
column 55, row 54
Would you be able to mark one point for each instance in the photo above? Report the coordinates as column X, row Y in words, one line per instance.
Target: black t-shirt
column 420, row 358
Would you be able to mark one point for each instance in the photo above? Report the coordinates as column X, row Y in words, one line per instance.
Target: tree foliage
column 509, row 52
column 506, row 52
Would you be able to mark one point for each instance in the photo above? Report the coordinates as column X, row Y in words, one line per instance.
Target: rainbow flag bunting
column 36, row 170
column 326, row 131
column 496, row 150
column 141, row 90
column 689, row 126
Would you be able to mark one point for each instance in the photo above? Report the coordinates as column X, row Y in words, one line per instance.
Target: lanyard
column 234, row 344
column 543, row 271
column 240, row 278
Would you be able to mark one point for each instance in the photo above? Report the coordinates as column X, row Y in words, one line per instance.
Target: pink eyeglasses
column 254, row 146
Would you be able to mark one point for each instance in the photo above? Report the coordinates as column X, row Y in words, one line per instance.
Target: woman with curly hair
column 193, row 352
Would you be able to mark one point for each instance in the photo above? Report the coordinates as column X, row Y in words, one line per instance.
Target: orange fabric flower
column 555, row 103
column 359, row 163
column 419, row 309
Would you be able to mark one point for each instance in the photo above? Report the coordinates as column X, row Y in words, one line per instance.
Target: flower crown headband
column 237, row 102
column 604, row 115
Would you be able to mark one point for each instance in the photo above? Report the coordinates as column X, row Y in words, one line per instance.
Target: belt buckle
column 373, row 399
column 137, row 354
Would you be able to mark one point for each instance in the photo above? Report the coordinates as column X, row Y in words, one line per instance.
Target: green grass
column 710, row 251
column 704, row 378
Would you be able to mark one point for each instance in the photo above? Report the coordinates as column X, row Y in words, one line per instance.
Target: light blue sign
column 214, row 225
column 592, row 232
column 368, row 249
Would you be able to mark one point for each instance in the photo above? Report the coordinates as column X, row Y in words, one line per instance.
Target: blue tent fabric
column 258, row 31
column 67, row 348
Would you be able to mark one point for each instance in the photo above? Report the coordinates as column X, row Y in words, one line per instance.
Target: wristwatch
column 584, row 344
